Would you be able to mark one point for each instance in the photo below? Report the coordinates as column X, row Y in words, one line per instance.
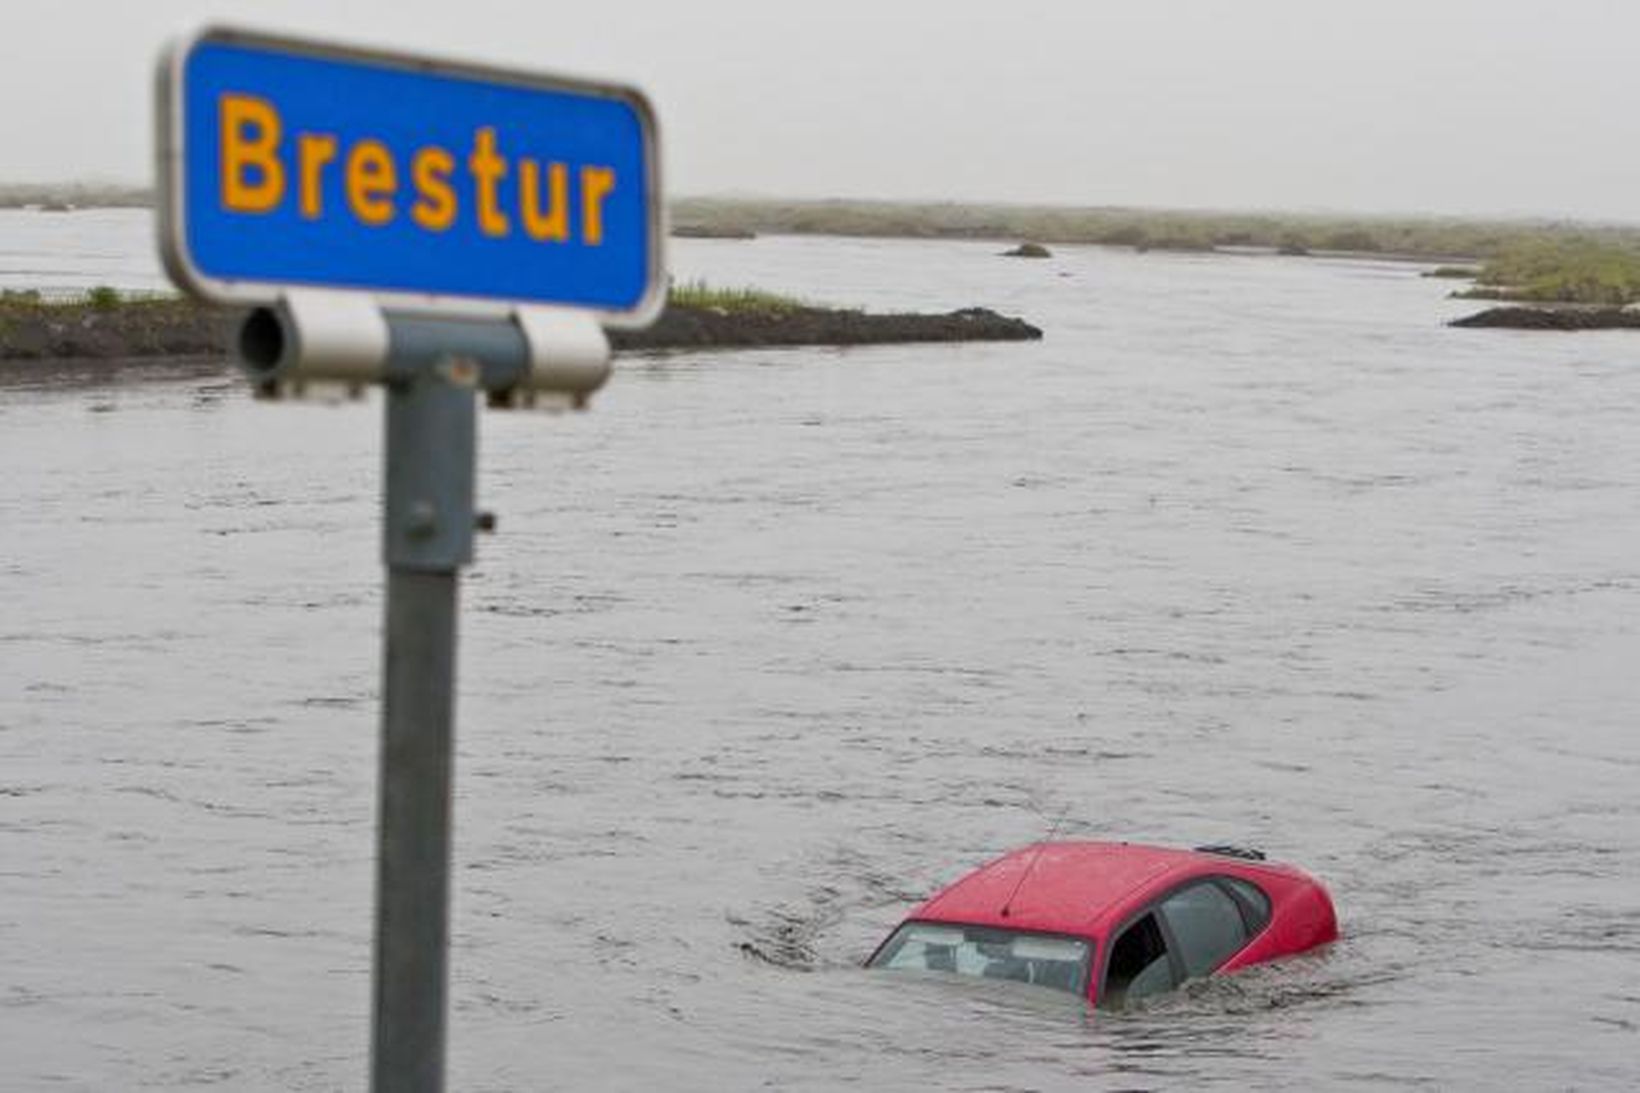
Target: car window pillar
column 1170, row 943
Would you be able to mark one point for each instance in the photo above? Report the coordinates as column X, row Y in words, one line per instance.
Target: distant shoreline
column 1413, row 238
column 1434, row 239
column 64, row 197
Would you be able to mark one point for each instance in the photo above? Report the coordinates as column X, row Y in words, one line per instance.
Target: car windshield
column 1044, row 960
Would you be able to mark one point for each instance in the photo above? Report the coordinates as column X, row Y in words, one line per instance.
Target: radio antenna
column 1036, row 852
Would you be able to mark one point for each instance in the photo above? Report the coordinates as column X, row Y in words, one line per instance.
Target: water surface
column 771, row 644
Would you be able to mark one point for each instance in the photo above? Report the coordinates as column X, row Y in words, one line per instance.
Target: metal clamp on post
column 568, row 355
column 313, row 337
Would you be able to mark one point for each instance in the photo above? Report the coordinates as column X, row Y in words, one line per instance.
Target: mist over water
column 771, row 644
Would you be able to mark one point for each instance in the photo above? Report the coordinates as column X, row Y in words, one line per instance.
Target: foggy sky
column 1449, row 106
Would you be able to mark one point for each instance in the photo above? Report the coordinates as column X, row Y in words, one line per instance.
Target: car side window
column 1139, row 964
column 1207, row 926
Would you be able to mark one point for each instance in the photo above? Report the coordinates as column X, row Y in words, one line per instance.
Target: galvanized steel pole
column 413, row 864
column 427, row 536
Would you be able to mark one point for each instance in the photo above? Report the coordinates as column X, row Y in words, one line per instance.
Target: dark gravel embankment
column 177, row 328
column 1552, row 318
column 160, row 328
column 706, row 328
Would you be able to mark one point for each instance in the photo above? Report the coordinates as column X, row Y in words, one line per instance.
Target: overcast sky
column 1448, row 106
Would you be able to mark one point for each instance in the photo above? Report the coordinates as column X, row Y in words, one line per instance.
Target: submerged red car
column 1114, row 922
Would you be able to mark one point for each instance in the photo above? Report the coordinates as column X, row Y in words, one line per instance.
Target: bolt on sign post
column 445, row 231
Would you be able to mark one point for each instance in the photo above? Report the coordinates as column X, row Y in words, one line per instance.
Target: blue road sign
column 294, row 164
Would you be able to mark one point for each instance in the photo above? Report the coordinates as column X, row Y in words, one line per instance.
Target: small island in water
column 1580, row 284
column 106, row 325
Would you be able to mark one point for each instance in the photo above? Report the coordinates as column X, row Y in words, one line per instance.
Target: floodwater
column 770, row 644
column 79, row 250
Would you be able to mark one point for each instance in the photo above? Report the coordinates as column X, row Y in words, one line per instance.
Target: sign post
column 444, row 232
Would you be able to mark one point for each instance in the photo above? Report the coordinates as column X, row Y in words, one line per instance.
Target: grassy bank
column 734, row 301
column 103, row 325
column 1561, row 272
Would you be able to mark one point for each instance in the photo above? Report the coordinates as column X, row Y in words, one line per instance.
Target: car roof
column 1069, row 887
